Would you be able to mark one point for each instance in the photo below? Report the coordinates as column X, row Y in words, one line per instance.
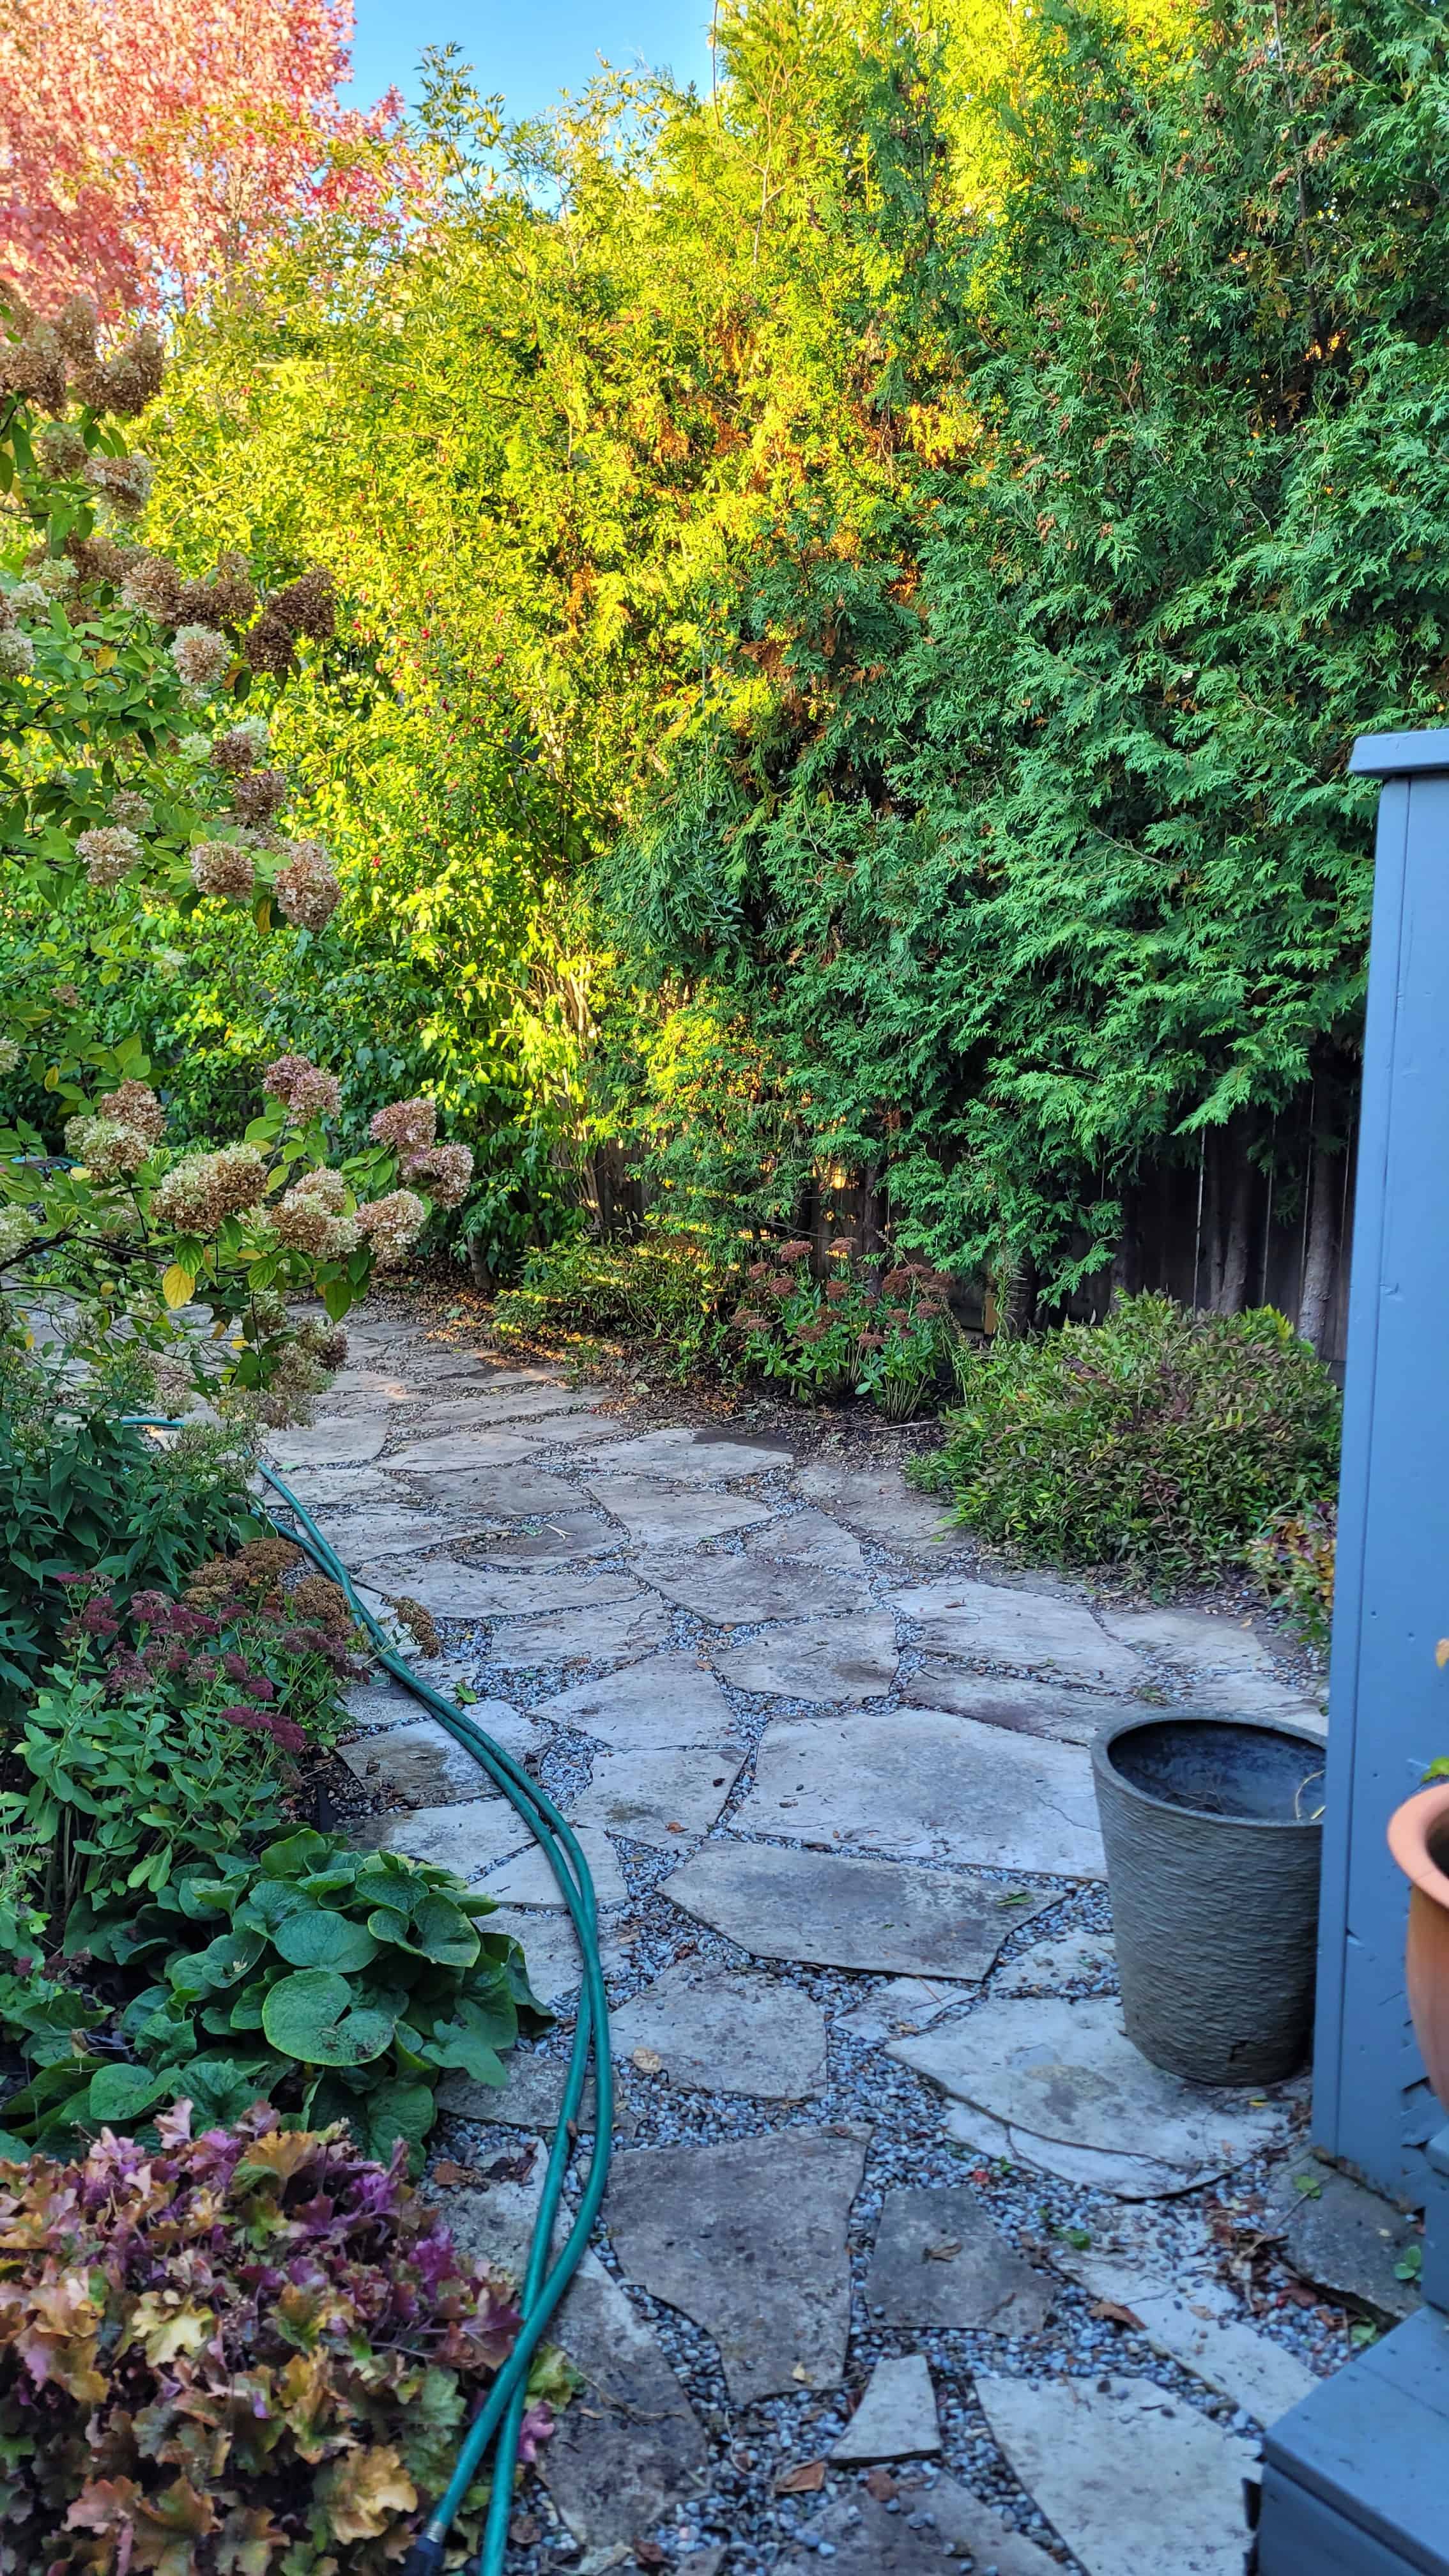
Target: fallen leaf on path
column 806, row 2478
column 1115, row 2314
column 648, row 2061
column 448, row 2175
column 880, row 2484
column 945, row 2251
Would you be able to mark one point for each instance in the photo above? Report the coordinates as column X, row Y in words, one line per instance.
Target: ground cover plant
column 1159, row 1439
column 248, row 2352
column 883, row 1332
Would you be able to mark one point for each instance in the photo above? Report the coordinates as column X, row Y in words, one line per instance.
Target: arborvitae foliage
column 1014, row 829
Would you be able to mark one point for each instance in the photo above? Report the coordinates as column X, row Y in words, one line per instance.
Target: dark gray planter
column 1212, row 1865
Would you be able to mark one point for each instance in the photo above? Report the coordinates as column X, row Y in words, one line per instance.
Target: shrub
column 338, row 1984
column 1160, row 1438
column 242, row 2354
column 665, row 1288
column 884, row 1337
column 1292, row 1558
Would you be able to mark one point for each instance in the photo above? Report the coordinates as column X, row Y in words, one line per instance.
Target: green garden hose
column 544, row 2283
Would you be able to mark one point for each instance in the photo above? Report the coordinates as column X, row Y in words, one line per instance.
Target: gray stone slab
column 878, row 1501
column 576, row 1430
column 452, row 1590
column 1202, row 2328
column 1059, row 2085
column 560, row 1540
column 650, row 1707
column 938, row 2261
column 835, row 1913
column 485, row 1408
column 421, row 1763
column 749, row 2240
column 463, row 1453
column 896, row 2418
column 658, row 1798
column 810, row 1537
column 734, row 1591
column 1219, row 1665
column 720, row 2030
column 1345, row 2238
column 898, row 2009
column 658, row 1514
column 532, row 2097
column 528, row 1879
column 366, row 1537
column 1128, row 2474
column 348, row 1439
column 1050, row 1967
column 630, row 2448
column 933, row 2531
column 929, row 1786
column 1022, row 1707
column 819, row 1659
column 693, row 1457
column 583, row 1636
column 342, row 1488
column 468, row 1839
column 385, row 1702
column 495, row 1495
column 549, row 1944
column 1035, row 1632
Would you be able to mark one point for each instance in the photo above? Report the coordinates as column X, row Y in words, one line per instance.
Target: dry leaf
column 806, row 2478
column 448, row 2175
column 1115, row 2314
column 944, row 2251
column 801, row 2373
column 676, row 1829
column 649, row 2554
column 880, row 2484
column 648, row 2061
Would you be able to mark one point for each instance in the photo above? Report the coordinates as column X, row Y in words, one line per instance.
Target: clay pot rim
column 1410, row 1826
column 1111, row 1733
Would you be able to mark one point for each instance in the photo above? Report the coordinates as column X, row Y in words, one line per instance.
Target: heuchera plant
column 238, row 2354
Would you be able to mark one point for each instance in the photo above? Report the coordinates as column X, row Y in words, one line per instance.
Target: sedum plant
column 246, row 2353
column 887, row 1338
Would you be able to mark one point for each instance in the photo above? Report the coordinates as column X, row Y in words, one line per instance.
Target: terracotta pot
column 1419, row 1841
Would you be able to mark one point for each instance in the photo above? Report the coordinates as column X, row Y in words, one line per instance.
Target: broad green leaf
column 312, row 1937
column 310, row 2016
column 124, row 2092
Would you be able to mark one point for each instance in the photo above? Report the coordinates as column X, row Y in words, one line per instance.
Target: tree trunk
column 1125, row 1277
column 1321, row 1246
column 478, row 1265
column 1233, row 1271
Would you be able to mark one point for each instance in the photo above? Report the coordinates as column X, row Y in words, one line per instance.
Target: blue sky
column 529, row 49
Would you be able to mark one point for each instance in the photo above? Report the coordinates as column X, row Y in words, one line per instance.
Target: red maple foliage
column 147, row 146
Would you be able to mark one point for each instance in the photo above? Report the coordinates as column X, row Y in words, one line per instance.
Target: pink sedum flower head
column 392, row 1226
column 109, row 853
column 307, row 1091
column 307, row 890
column 445, row 1172
column 221, row 868
column 203, row 1188
column 202, row 656
column 408, row 1126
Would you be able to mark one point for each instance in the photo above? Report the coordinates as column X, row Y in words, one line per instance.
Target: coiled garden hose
column 544, row 2283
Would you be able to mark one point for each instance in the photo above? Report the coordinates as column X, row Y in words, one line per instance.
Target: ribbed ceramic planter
column 1213, row 1851
column 1419, row 1841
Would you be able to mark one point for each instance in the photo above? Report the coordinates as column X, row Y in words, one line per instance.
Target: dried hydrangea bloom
column 203, row 1188
column 307, row 1091
column 311, row 1217
column 223, row 597
column 10, row 1055
column 109, row 853
column 17, row 654
column 306, row 889
column 445, row 1172
column 195, row 747
column 152, row 587
column 408, row 1126
column 221, row 868
column 135, row 1104
column 134, row 811
column 306, row 607
column 18, row 1230
column 27, row 599
column 124, row 481
column 61, row 449
column 240, row 747
column 55, row 575
column 76, row 325
column 173, row 1388
column 107, row 1148
column 257, row 793
column 326, row 1342
column 131, row 379
column 392, row 1226
column 202, row 656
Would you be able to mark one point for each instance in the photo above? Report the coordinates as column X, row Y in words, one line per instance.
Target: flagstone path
column 904, row 2262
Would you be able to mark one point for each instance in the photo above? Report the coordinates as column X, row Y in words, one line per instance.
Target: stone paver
column 1036, row 1631
column 559, row 1540
column 1050, row 1966
column 466, row 1451
column 1200, row 2328
column 656, row 1514
column 930, row 2532
column 455, row 1591
column 530, row 2098
column 1131, row 2477
column 422, row 1764
column 719, row 2030
column 749, row 2240
column 1345, row 2238
column 736, row 1590
column 691, row 1457
column 1022, row 1707
column 630, row 2447
column 493, row 1405
column 494, row 1494
column 585, row 1636
column 847, row 1913
column 930, row 1787
column 363, row 1536
column 469, row 1839
column 658, row 1798
column 549, row 1944
column 824, row 1659
column 938, row 2261
column 1058, row 2084
column 647, row 1708
column 898, row 2009
column 896, row 2418
column 343, row 1488
column 347, row 1439
column 528, row 1879
column 879, row 1502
